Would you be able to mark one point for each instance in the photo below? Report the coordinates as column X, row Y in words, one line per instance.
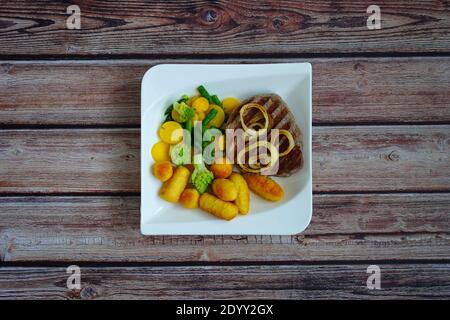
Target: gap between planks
column 23, row 127
column 260, row 56
column 253, row 263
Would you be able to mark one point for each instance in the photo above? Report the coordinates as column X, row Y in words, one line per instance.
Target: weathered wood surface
column 70, row 195
column 361, row 90
column 412, row 281
column 378, row 158
column 344, row 227
column 70, row 160
column 381, row 158
column 222, row 27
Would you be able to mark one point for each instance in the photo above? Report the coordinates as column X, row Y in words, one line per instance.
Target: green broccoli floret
column 184, row 98
column 186, row 113
column 201, row 177
column 180, row 153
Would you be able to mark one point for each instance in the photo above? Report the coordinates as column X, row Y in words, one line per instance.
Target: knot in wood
column 393, row 156
column 277, row 23
column 88, row 293
column 7, row 68
column 210, row 15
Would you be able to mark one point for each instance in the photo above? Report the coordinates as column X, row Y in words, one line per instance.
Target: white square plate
column 164, row 84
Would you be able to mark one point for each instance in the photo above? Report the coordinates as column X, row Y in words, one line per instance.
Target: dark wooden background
column 70, row 149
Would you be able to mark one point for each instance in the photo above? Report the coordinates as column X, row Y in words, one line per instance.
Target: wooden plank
column 349, row 90
column 95, row 247
column 344, row 227
column 70, row 160
column 70, row 93
column 380, row 213
column 223, row 27
column 380, row 158
column 411, row 281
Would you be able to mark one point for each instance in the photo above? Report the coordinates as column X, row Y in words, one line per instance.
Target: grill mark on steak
column 282, row 118
column 279, row 118
column 270, row 107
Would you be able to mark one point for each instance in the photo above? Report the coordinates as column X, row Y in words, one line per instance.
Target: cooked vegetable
column 169, row 110
column 229, row 104
column 218, row 119
column 222, row 169
column 217, row 207
column 192, row 99
column 168, row 114
column 243, row 196
column 263, row 112
column 183, row 112
column 253, row 127
column 172, row 188
column 256, row 126
column 188, row 125
column 209, row 145
column 184, row 98
column 264, row 187
column 221, row 142
column 211, row 114
column 180, row 153
column 171, row 132
column 204, row 93
column 201, row 178
column 254, row 165
column 189, row 198
column 224, row 189
column 176, row 116
column 200, row 104
column 291, row 142
column 215, row 99
column 163, row 170
column 199, row 116
column 160, row 151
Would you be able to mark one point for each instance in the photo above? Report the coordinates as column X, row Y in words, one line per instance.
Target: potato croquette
column 172, row 188
column 217, row 207
column 221, row 170
column 224, row 189
column 189, row 198
column 162, row 170
column 264, row 187
column 243, row 197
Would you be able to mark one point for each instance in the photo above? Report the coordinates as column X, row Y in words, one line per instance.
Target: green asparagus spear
column 204, row 93
column 215, row 99
column 208, row 118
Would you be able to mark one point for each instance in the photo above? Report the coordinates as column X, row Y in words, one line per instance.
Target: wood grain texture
column 70, row 195
column 374, row 90
column 344, row 227
column 222, row 27
column 380, row 158
column 412, row 281
column 70, row 160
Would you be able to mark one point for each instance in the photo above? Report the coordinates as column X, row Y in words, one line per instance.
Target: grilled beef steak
column 282, row 118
